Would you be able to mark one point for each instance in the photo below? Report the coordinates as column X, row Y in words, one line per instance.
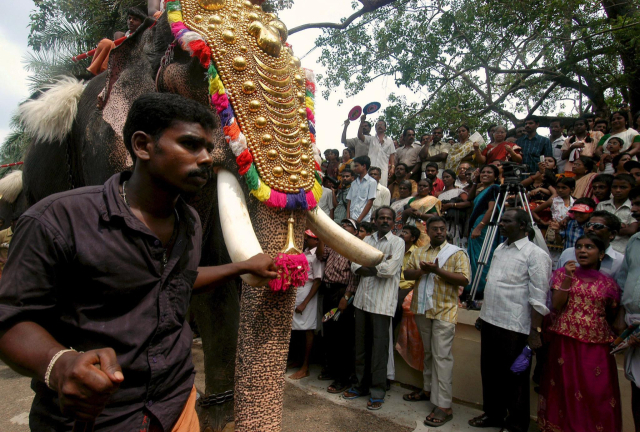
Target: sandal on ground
column 325, row 376
column 416, row 396
column 353, row 393
column 374, row 404
column 437, row 418
column 337, row 387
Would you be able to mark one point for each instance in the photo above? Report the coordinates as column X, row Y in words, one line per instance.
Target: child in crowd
column 619, row 161
column 306, row 311
column 611, row 150
column 620, row 205
column 559, row 204
column 365, row 229
column 577, row 216
column 601, row 186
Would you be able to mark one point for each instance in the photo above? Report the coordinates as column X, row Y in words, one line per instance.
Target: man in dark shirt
column 109, row 270
column 533, row 145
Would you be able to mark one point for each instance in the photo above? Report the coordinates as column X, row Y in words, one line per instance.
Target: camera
column 514, row 172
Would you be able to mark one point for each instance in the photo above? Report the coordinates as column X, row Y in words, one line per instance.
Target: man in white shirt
column 557, row 141
column 326, row 200
column 362, row 191
column 383, row 195
column 381, row 148
column 514, row 304
column 606, row 226
column 375, row 304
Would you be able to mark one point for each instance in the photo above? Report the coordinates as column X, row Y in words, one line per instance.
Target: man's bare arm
column 260, row 265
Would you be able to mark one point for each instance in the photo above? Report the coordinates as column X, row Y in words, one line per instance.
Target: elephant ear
column 128, row 76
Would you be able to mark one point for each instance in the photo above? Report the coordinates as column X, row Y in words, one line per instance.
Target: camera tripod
column 511, row 187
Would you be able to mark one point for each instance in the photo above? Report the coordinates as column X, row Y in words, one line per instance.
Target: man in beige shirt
column 435, row 151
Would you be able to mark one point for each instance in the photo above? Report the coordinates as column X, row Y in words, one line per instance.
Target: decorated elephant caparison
column 231, row 55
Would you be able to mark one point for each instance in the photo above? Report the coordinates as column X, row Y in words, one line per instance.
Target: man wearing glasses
column 605, row 225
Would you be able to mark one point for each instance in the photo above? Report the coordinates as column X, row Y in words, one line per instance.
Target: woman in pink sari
column 579, row 389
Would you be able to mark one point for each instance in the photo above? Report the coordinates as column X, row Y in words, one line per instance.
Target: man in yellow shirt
column 440, row 268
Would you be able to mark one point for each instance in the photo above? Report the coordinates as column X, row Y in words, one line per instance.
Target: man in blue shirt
column 362, row 192
column 533, row 145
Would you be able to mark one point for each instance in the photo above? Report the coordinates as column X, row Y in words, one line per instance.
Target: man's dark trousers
column 372, row 353
column 504, row 392
column 339, row 335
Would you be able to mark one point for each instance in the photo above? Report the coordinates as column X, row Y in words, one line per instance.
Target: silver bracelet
column 53, row 361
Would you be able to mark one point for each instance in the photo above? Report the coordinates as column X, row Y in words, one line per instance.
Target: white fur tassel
column 11, row 186
column 50, row 116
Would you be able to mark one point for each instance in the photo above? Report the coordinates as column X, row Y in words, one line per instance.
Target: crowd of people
column 562, row 287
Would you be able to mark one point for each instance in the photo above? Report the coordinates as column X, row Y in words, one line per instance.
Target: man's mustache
column 204, row 172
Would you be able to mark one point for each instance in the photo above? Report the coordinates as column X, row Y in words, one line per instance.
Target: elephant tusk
column 237, row 228
column 341, row 241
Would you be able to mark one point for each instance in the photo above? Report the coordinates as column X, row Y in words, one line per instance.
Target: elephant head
column 231, row 55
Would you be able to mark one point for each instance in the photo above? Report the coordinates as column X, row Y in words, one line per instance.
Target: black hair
column 427, row 180
column 385, row 123
column 495, row 170
column 406, row 167
column 335, row 152
column 616, row 160
column 135, row 12
column 491, row 126
column 635, row 193
column 375, row 215
column 347, row 170
column 432, row 165
column 433, row 219
column 626, row 177
column 367, row 226
column 601, row 121
column 532, row 118
column 368, row 122
column 375, row 168
column 406, row 183
column 556, row 120
column 451, row 173
column 586, row 123
column 595, row 239
column 588, row 163
column 404, row 133
column 363, row 160
column 587, row 116
column 620, row 141
column 584, row 200
column 351, row 151
column 153, row 113
column 413, row 231
column 436, row 128
column 464, row 126
column 603, row 178
column 612, row 221
column 570, row 182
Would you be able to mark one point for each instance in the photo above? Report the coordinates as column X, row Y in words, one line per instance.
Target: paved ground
column 307, row 408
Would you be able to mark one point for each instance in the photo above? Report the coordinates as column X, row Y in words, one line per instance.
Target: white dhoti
column 308, row 319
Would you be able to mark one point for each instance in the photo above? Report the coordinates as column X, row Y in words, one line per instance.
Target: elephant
column 78, row 142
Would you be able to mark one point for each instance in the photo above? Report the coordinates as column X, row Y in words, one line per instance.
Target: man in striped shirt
column 375, row 304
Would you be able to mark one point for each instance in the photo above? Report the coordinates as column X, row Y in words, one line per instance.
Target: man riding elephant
column 260, row 199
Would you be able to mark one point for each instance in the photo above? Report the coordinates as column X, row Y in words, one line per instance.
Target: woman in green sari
column 483, row 204
column 421, row 208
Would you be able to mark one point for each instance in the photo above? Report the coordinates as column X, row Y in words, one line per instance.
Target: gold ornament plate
column 264, row 83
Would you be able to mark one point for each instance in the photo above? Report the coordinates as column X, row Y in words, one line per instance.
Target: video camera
column 514, row 172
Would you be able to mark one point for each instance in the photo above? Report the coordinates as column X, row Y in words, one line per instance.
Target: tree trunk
column 628, row 53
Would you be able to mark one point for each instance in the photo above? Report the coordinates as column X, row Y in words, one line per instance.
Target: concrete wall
column 467, row 384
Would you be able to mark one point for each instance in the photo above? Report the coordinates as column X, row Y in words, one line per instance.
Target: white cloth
column 632, row 356
column 383, row 198
column 360, row 192
column 427, row 282
column 610, row 265
column 626, row 136
column 518, row 279
column 379, row 154
column 326, row 201
column 307, row 320
column 556, row 147
column 391, row 363
column 379, row 294
column 624, row 214
column 558, row 209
